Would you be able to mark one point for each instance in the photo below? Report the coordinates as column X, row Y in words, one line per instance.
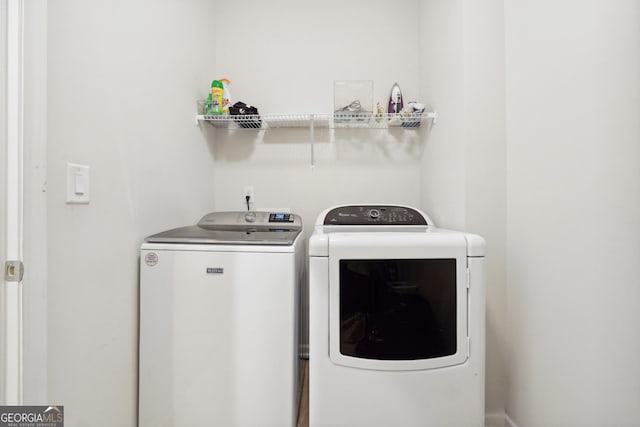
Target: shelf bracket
column 312, row 137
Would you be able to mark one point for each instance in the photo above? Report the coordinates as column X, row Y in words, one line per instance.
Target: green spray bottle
column 217, row 89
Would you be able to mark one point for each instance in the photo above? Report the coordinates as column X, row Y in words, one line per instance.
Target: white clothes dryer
column 397, row 326
column 219, row 322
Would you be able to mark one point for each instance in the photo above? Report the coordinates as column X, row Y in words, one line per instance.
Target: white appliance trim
column 369, row 246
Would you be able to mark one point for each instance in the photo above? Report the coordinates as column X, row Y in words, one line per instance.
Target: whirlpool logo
column 31, row 416
column 215, row 270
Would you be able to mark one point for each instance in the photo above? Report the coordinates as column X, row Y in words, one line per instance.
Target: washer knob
column 250, row 217
column 374, row 214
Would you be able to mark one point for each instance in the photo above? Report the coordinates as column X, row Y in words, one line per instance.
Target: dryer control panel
column 374, row 215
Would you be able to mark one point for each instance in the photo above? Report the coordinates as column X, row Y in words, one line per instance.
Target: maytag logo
column 31, row 416
column 215, row 270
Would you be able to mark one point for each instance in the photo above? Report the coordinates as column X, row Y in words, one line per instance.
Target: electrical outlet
column 247, row 190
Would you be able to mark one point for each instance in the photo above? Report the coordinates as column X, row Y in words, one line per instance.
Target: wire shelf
column 380, row 120
column 337, row 120
column 297, row 120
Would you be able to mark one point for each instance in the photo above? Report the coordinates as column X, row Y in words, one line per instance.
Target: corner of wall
column 463, row 173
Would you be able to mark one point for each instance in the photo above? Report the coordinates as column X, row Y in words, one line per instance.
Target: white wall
column 442, row 62
column 123, row 80
column 283, row 57
column 573, row 212
column 485, row 162
column 463, row 167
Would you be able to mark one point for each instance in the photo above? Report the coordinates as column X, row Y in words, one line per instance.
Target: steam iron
column 395, row 100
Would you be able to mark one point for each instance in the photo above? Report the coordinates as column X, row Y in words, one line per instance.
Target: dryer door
column 397, row 301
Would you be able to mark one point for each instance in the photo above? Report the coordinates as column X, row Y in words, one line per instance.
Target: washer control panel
column 240, row 220
column 374, row 215
column 280, row 217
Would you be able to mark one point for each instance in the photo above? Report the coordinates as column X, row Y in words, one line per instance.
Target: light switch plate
column 77, row 184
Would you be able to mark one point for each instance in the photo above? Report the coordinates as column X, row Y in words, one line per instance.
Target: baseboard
column 510, row 422
column 498, row 419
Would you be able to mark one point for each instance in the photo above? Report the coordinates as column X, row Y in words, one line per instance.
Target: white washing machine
column 219, row 322
column 397, row 326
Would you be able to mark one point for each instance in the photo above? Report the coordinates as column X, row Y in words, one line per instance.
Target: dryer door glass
column 398, row 309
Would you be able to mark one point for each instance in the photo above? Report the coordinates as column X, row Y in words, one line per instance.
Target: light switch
column 77, row 184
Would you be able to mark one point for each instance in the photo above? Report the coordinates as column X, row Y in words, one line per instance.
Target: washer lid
column 236, row 228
